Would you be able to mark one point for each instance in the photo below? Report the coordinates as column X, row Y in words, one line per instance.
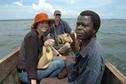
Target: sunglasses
column 58, row 15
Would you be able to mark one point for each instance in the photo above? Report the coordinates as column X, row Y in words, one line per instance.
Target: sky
column 26, row 9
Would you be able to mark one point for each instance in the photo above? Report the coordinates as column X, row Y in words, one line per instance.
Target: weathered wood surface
column 112, row 75
column 8, row 73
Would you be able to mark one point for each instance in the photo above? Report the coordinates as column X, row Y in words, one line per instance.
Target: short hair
column 57, row 12
column 94, row 16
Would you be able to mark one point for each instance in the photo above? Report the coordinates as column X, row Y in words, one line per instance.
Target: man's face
column 57, row 16
column 84, row 28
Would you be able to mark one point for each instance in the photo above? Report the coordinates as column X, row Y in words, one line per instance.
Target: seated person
column 60, row 27
column 89, row 65
column 27, row 65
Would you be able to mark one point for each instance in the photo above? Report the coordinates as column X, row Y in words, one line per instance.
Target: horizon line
column 62, row 18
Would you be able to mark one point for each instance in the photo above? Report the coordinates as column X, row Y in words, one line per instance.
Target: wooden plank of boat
column 8, row 73
column 112, row 75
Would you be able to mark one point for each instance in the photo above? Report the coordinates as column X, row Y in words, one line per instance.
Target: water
column 112, row 35
column 11, row 35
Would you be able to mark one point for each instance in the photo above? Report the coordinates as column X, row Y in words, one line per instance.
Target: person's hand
column 49, row 42
column 33, row 81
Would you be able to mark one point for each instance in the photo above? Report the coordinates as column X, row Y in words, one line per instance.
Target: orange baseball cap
column 41, row 17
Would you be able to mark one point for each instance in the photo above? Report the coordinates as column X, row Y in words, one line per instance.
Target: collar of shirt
column 84, row 51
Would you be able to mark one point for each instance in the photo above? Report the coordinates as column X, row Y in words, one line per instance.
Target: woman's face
column 43, row 26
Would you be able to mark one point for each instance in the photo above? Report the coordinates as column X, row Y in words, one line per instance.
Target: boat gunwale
column 116, row 72
column 7, row 65
column 9, row 55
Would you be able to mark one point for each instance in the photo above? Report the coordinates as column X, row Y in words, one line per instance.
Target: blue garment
column 62, row 28
column 52, row 71
column 89, row 66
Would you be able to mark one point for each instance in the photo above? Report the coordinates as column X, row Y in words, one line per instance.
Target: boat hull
column 8, row 74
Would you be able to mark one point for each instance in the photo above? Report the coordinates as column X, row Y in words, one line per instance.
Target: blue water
column 112, row 36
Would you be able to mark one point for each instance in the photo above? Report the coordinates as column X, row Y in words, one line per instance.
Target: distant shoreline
column 62, row 18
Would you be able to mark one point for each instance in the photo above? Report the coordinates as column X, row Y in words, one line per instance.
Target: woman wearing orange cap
column 30, row 53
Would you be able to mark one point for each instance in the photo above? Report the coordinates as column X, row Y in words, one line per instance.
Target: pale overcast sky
column 26, row 9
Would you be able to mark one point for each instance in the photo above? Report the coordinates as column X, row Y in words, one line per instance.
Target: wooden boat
column 8, row 73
